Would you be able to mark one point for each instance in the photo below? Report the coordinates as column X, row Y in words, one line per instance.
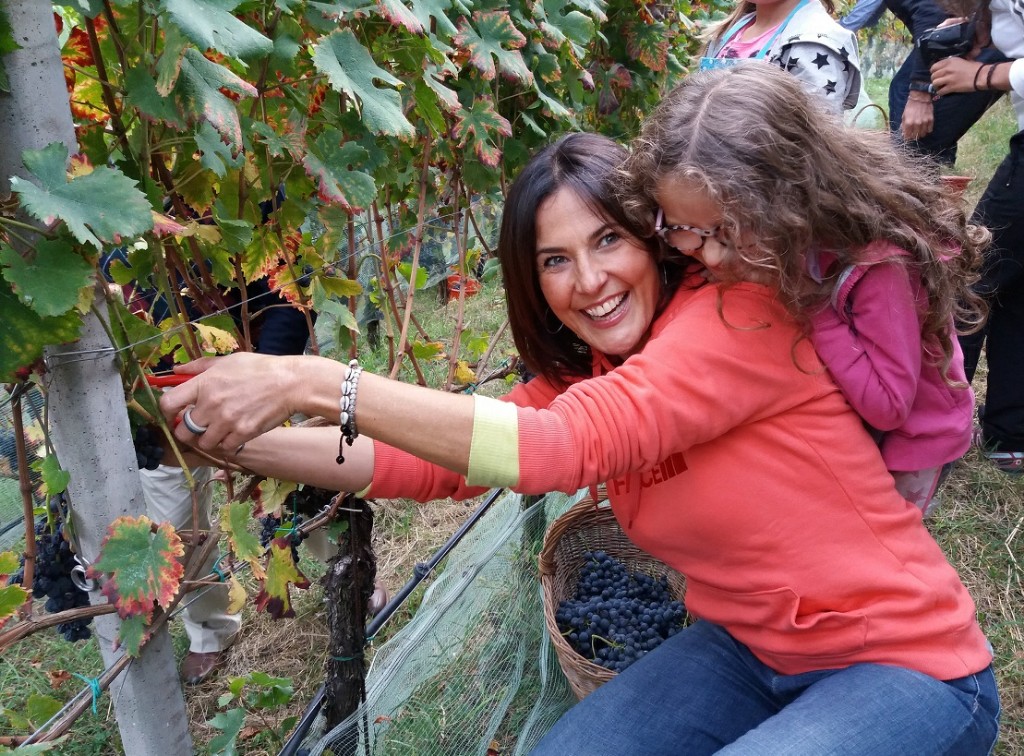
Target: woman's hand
column 918, row 116
column 243, row 395
column 953, row 74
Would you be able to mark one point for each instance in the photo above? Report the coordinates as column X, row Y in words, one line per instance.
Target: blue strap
column 94, row 685
column 767, row 46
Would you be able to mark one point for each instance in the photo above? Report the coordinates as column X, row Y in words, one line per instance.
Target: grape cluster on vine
column 270, row 525
column 52, row 579
column 616, row 616
column 148, row 450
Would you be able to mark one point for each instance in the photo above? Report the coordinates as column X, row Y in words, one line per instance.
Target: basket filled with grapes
column 606, row 602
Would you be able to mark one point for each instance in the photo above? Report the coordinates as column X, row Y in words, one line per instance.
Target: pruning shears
column 166, row 380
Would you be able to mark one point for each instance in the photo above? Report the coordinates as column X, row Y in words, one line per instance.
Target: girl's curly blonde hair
column 788, row 174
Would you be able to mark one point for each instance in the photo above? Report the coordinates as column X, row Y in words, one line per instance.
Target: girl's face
column 686, row 202
column 601, row 283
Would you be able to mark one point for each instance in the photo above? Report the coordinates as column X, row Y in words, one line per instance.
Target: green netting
column 475, row 665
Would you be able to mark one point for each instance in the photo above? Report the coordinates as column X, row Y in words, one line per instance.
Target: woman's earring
column 561, row 325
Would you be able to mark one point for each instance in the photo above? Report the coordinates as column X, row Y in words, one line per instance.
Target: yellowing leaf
column 281, row 571
column 141, row 566
column 8, row 563
column 236, row 595
column 216, row 339
column 12, row 598
column 234, row 521
column 464, row 373
column 273, row 492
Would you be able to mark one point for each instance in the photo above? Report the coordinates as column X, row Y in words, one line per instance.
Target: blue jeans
column 701, row 692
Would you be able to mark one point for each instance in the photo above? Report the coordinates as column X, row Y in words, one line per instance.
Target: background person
column 636, row 366
column 1001, row 208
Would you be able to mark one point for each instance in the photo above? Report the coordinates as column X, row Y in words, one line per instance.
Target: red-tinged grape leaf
column 99, row 207
column 142, row 566
column 165, row 226
column 198, row 91
column 478, row 128
column 212, row 25
column 273, row 492
column 49, row 283
column 235, row 517
column 283, row 281
column 494, row 37
column 649, row 44
column 25, row 333
column 328, row 163
column 132, row 634
column 12, row 598
column 351, row 69
column 281, row 572
column 398, row 15
column 55, row 480
column 447, row 97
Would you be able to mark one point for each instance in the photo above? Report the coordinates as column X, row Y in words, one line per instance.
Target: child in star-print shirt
column 799, row 36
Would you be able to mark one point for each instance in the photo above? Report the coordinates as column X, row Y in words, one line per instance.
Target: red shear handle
column 166, row 380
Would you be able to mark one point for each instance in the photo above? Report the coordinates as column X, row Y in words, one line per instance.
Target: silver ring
column 186, row 418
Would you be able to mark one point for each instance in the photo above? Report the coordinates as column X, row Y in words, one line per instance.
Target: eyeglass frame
column 662, row 231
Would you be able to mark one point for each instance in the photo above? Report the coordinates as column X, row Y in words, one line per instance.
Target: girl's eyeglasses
column 682, row 237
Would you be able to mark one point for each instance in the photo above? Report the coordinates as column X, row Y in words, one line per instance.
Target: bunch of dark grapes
column 148, row 451
column 52, row 579
column 271, row 524
column 617, row 616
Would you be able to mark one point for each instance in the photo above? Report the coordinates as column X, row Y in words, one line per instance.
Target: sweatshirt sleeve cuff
column 494, row 450
column 1017, row 76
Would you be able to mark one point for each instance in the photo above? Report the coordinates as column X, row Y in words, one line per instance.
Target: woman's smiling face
column 599, row 282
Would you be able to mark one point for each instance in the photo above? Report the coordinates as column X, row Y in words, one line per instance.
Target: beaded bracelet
column 347, row 407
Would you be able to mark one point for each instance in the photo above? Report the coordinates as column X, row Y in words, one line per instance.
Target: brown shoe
column 196, row 667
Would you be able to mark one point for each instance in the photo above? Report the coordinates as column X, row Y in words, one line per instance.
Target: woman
column 727, row 452
column 1000, row 208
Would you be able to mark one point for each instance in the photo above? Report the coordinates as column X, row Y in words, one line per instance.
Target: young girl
column 743, row 174
column 798, row 36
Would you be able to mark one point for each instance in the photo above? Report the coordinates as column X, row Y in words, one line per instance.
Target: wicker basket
column 588, row 527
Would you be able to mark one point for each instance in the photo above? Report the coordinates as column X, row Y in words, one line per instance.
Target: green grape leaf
column 236, row 235
column 12, row 598
column 494, row 36
column 328, row 163
column 447, row 98
column 424, row 10
column 198, row 91
column 339, row 286
column 99, row 207
column 51, row 282
column 351, row 69
column 230, row 725
column 142, row 566
column 593, row 8
column 649, row 44
column 292, row 142
column 477, row 128
column 272, row 691
column 7, row 45
column 55, row 480
column 428, row 350
column 398, row 15
column 215, row 155
column 25, row 333
column 131, row 329
column 575, row 27
column 141, row 93
column 274, row 597
column 132, row 634
column 168, row 65
column 234, row 521
column 40, row 709
column 337, row 318
column 8, row 563
column 212, row 25
column 33, row 748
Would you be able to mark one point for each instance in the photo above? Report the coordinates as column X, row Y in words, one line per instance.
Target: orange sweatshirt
column 730, row 455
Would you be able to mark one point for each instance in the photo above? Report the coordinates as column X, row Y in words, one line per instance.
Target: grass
column 979, row 526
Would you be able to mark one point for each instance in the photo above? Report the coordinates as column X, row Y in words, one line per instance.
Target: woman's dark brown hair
column 585, row 164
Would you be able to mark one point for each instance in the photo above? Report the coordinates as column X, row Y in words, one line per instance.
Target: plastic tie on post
column 94, row 686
